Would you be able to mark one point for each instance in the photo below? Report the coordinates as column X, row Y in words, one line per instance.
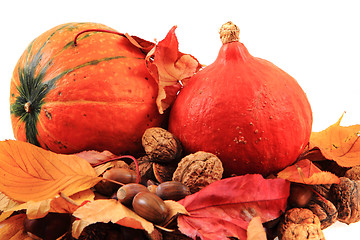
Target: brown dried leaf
column 338, row 143
column 306, row 172
column 30, row 173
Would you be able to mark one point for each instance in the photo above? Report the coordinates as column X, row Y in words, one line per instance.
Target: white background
column 315, row 41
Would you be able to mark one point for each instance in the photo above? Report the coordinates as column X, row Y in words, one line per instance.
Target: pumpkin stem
column 229, row 32
column 95, row 30
column 27, row 107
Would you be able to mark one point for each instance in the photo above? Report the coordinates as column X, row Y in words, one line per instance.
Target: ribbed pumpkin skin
column 250, row 113
column 97, row 95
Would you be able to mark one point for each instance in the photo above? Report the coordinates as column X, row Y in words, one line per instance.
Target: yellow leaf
column 69, row 205
column 108, row 210
column 6, row 203
column 339, row 143
column 255, row 230
column 175, row 209
column 78, row 226
column 12, row 228
column 30, row 173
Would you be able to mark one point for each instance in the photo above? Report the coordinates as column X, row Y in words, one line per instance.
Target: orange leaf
column 306, row 172
column 255, row 229
column 108, row 210
column 30, row 173
column 169, row 67
column 13, row 228
column 339, row 143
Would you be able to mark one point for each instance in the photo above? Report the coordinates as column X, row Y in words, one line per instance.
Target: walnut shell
column 198, row 170
column 346, row 198
column 353, row 173
column 161, row 145
column 324, row 209
column 300, row 223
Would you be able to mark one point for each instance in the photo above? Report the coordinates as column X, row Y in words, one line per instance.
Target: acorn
column 121, row 175
column 150, row 206
column 172, row 190
column 50, row 227
column 126, row 193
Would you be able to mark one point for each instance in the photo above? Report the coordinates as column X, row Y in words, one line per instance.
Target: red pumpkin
column 96, row 95
column 254, row 116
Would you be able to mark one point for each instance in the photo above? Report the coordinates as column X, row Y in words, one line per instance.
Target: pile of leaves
column 35, row 181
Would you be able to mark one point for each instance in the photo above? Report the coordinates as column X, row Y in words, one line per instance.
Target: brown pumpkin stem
column 229, row 32
column 96, row 30
column 27, row 107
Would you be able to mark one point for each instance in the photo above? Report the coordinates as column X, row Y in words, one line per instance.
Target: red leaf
column 224, row 208
column 169, row 67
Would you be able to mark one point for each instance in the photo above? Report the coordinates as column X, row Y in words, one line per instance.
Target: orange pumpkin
column 97, row 94
column 254, row 116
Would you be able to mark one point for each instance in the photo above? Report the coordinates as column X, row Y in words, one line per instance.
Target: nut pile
column 165, row 174
column 328, row 203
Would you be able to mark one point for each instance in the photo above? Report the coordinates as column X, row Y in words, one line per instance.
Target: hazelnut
column 172, row 190
column 52, row 226
column 126, row 193
column 150, row 206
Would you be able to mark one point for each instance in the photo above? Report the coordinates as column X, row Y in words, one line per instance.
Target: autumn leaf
column 306, row 172
column 224, row 208
column 108, row 210
column 170, row 68
column 6, row 205
column 339, row 143
column 95, row 157
column 255, row 230
column 12, row 228
column 30, row 173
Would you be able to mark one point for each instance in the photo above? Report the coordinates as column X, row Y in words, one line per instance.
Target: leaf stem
column 68, row 199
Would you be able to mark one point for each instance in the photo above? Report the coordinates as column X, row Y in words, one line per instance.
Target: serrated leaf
column 339, row 143
column 306, row 172
column 30, row 173
column 170, row 68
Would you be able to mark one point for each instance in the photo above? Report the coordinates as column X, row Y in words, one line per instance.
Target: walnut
column 155, row 171
column 300, row 223
column 346, row 198
column 323, row 190
column 145, row 167
column 198, row 170
column 161, row 145
column 324, row 209
column 353, row 173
